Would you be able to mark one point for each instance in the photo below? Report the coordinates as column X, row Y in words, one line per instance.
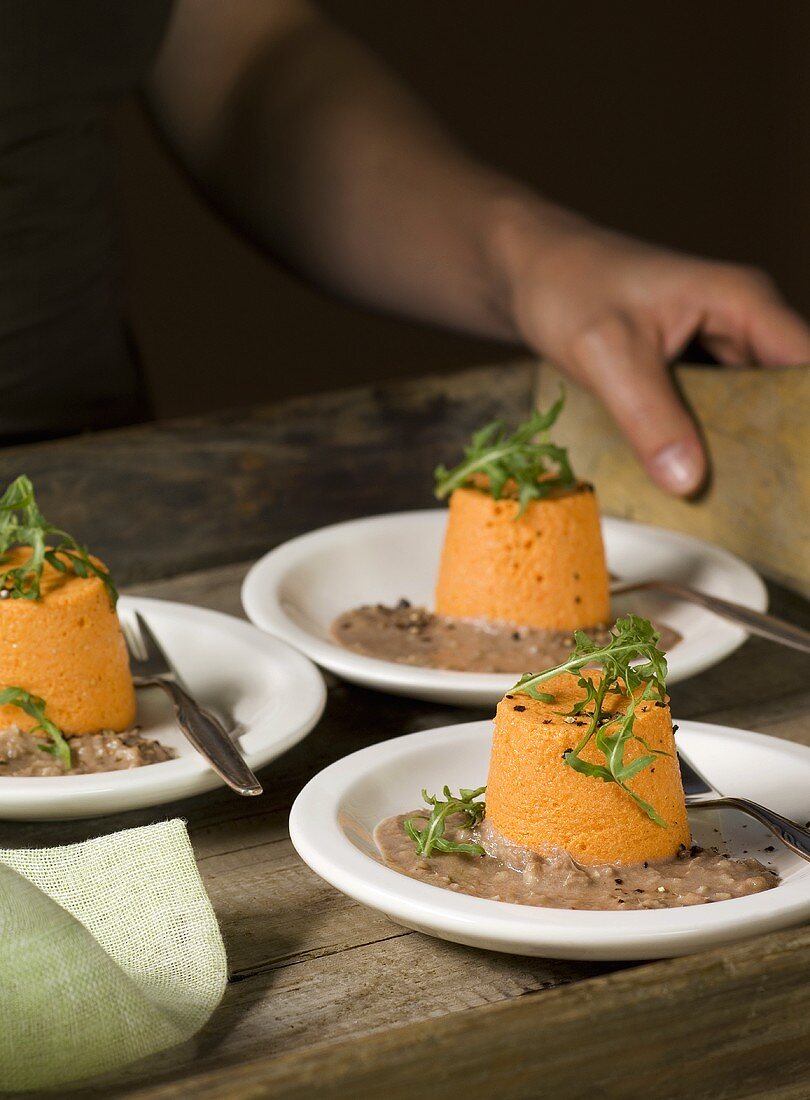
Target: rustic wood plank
column 395, row 980
column 162, row 499
column 302, row 954
column 755, row 425
column 308, row 964
column 632, row 1033
column 218, row 588
column 787, row 716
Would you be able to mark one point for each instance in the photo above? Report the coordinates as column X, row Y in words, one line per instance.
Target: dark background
column 685, row 123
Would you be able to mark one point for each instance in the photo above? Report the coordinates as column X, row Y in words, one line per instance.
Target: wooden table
column 326, row 997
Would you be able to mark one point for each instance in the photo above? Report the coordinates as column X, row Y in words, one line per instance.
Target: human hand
column 612, row 312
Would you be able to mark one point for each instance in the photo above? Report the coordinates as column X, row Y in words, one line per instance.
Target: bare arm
column 303, row 137
column 308, row 143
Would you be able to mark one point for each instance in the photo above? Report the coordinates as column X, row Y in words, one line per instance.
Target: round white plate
column 273, row 695
column 297, row 590
column 332, row 821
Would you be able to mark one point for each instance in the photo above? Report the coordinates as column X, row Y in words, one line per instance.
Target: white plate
column 298, row 589
column 272, row 693
column 333, row 818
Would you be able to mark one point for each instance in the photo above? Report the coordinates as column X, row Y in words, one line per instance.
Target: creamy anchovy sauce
column 510, row 872
column 22, row 754
column 414, row 636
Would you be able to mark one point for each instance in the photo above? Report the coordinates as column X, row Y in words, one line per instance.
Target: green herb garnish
column 632, row 639
column 432, row 835
column 22, row 524
column 35, row 708
column 525, row 463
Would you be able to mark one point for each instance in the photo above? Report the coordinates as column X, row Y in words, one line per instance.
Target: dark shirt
column 66, row 363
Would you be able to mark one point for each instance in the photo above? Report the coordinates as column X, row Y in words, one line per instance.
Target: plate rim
column 181, row 777
column 266, row 611
column 521, row 929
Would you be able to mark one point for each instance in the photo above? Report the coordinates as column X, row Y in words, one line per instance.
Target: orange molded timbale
column 537, row 800
column 543, row 569
column 66, row 647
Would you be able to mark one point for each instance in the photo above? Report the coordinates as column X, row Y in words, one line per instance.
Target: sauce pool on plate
column 22, row 753
column 511, row 873
column 411, row 635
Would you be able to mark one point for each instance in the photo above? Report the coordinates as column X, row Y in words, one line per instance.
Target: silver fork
column 699, row 792
column 151, row 666
column 757, row 622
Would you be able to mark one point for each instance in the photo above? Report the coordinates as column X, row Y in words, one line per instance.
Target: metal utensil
column 767, row 626
column 151, row 666
column 699, row 792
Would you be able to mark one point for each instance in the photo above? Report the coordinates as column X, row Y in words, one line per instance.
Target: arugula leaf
column 33, row 706
column 524, row 463
column 432, row 835
column 633, row 639
column 22, row 524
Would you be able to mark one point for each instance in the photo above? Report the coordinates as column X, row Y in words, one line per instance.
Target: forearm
column 310, row 145
column 305, row 140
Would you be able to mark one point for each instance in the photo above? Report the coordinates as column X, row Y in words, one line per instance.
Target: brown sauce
column 22, row 753
column 411, row 635
column 511, row 873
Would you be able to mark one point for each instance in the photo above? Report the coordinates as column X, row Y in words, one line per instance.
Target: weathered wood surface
column 328, row 998
column 654, row 1031
column 757, row 503
column 165, row 498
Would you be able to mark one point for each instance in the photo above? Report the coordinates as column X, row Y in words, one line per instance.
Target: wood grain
column 166, row 498
column 328, row 998
column 754, row 422
column 725, row 1024
column 311, row 967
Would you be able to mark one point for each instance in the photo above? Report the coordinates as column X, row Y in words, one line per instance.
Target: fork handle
column 757, row 622
column 789, row 832
column 210, row 739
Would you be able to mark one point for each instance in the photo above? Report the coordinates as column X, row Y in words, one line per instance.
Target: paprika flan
column 67, row 648
column 524, row 541
column 537, row 800
column 542, row 568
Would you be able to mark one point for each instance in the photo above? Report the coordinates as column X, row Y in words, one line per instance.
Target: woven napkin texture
column 109, row 951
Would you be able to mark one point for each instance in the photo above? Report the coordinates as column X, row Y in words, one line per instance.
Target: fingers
column 778, row 337
column 625, row 368
column 748, row 321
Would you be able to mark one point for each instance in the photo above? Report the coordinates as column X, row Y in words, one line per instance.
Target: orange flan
column 535, row 799
column 544, row 568
column 67, row 648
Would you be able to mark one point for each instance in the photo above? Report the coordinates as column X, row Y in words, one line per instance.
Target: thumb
column 626, row 370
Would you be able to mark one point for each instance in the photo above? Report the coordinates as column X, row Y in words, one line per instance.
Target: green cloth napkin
column 109, row 951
